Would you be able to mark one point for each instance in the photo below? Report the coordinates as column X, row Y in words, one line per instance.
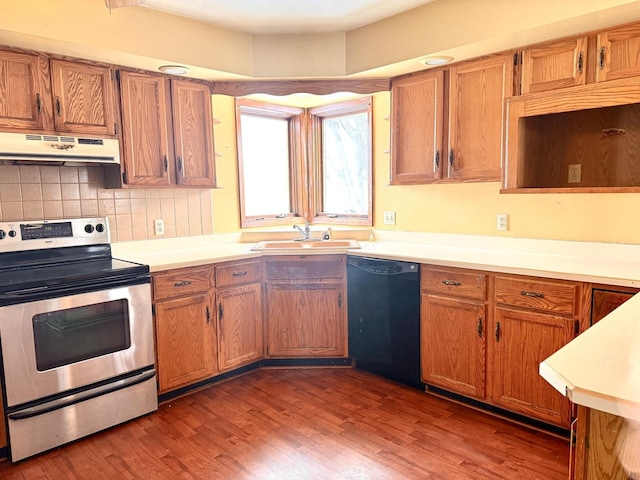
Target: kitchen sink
column 280, row 245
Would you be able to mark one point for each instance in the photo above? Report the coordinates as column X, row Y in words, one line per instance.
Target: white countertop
column 599, row 369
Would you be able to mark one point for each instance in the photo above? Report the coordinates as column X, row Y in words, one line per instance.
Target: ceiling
column 286, row 16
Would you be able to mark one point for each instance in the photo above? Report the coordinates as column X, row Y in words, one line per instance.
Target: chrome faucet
column 306, row 232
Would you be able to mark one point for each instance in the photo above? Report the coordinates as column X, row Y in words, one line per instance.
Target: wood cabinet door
column 239, row 318
column 610, row 439
column 603, row 302
column 306, row 320
column 453, row 340
column 193, row 134
column 618, row 54
column 84, row 100
column 25, row 94
column 521, row 340
column 476, row 98
column 555, row 65
column 146, row 129
column 184, row 339
column 417, row 116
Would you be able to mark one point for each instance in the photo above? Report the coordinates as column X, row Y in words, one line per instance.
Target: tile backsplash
column 51, row 192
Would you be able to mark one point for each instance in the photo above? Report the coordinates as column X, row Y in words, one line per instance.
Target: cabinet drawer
column 238, row 273
column 453, row 282
column 183, row 281
column 302, row 267
column 552, row 296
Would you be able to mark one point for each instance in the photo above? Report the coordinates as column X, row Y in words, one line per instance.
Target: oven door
column 60, row 344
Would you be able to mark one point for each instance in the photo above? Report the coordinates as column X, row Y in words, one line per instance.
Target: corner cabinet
column 167, row 131
column 184, row 327
column 462, row 108
column 46, row 95
column 306, row 306
column 239, row 313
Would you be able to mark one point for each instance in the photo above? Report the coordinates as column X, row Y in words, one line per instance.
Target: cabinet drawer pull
column 531, row 294
column 451, row 283
column 497, row 331
column 480, row 327
column 184, row 283
column 239, row 274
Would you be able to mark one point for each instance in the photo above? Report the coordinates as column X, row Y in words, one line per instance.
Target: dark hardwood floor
column 303, row 424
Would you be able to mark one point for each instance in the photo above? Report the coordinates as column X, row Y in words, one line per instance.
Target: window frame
column 315, row 161
column 305, row 161
column 296, row 119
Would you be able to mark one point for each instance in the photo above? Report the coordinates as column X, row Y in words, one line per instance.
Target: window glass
column 345, row 164
column 265, row 165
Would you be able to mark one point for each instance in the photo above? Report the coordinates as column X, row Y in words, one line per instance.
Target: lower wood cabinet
column 184, row 327
column 483, row 335
column 185, row 341
column 306, row 306
column 453, row 337
column 239, row 313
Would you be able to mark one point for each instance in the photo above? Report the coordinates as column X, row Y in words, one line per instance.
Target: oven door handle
column 99, row 284
column 69, row 400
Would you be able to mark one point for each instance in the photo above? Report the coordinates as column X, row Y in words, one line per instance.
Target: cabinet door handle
column 451, row 157
column 437, row 160
column 184, row 283
column 165, row 163
column 602, row 55
column 451, row 283
column 38, row 104
column 208, row 314
column 58, row 107
column 239, row 274
column 220, row 311
column 531, row 294
column 180, row 166
column 340, row 300
column 480, row 327
column 580, row 62
column 497, row 331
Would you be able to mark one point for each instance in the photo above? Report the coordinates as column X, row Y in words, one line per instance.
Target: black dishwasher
column 384, row 317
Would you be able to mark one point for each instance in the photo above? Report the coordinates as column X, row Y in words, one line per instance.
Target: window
column 315, row 163
column 268, row 157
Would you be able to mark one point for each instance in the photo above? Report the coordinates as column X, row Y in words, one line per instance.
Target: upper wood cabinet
column 417, row 114
column 599, row 57
column 476, row 102
column 25, row 95
column 83, row 98
column 39, row 94
column 554, row 65
column 469, row 124
column 167, row 131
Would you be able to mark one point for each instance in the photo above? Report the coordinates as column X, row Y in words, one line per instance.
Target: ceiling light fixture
column 174, row 69
column 434, row 61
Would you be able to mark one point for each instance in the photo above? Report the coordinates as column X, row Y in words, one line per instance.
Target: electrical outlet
column 158, row 226
column 389, row 217
column 575, row 173
column 502, row 222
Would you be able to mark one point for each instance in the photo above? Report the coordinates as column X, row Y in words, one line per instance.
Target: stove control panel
column 35, row 235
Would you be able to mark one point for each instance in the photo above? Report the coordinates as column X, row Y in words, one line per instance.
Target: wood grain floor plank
column 299, row 424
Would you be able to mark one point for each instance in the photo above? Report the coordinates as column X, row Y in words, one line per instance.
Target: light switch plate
column 389, row 217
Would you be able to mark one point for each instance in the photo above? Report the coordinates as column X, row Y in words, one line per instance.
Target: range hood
column 20, row 148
